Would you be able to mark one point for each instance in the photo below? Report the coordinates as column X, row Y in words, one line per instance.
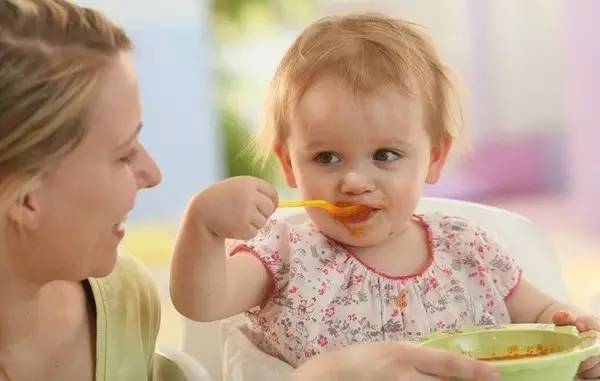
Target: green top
column 127, row 323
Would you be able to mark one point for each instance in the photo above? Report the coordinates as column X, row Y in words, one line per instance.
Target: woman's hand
column 393, row 362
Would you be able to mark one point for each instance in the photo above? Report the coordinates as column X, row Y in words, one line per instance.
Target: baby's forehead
column 360, row 79
column 330, row 96
column 334, row 113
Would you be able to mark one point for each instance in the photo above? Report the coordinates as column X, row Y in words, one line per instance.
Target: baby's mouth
column 362, row 215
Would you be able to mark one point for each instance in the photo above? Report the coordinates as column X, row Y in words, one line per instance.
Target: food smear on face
column 351, row 212
column 355, row 232
column 356, row 216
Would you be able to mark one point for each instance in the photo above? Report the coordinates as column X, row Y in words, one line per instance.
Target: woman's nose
column 148, row 173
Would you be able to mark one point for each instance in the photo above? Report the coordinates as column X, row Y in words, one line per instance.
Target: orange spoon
column 337, row 211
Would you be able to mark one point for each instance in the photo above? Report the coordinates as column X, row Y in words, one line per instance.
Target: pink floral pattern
column 324, row 298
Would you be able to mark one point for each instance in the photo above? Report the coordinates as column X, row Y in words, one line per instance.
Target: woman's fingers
column 452, row 365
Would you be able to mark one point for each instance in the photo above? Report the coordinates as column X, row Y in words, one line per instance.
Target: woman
column 70, row 168
column 71, row 165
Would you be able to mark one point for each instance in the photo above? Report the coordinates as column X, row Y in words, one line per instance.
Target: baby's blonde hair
column 52, row 58
column 367, row 51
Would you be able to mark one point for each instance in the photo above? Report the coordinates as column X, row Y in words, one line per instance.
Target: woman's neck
column 50, row 323
column 20, row 312
column 41, row 316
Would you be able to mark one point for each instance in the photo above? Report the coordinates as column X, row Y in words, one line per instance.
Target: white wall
column 151, row 14
column 584, row 110
column 509, row 53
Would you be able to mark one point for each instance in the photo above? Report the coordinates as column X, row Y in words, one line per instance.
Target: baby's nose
column 356, row 183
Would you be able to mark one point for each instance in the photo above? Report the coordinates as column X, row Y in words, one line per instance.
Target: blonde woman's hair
column 52, row 56
column 366, row 51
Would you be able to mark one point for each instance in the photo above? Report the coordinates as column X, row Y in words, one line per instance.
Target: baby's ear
column 438, row 157
column 283, row 155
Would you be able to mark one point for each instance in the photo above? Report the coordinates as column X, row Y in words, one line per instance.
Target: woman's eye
column 385, row 155
column 326, row 158
column 131, row 155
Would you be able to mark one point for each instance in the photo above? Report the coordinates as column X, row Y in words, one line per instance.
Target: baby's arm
column 525, row 302
column 205, row 285
column 528, row 304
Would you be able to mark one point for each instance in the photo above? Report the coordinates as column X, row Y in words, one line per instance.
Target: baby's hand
column 590, row 368
column 235, row 208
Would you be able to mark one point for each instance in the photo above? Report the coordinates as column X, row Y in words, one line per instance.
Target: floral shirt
column 324, row 298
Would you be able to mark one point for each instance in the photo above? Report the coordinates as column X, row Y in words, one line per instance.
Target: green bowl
column 524, row 352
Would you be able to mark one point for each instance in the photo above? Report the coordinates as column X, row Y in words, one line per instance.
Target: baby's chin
column 355, row 236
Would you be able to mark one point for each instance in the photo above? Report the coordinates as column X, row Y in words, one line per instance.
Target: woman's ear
column 283, row 155
column 438, row 158
column 25, row 211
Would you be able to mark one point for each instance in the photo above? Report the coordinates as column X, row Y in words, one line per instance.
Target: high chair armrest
column 189, row 366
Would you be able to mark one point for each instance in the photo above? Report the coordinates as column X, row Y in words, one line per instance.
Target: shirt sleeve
column 493, row 260
column 143, row 287
column 271, row 247
column 501, row 266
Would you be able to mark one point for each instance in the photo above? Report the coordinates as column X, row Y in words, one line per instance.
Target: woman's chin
column 104, row 267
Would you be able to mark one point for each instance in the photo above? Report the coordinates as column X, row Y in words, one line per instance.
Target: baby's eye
column 326, row 158
column 385, row 155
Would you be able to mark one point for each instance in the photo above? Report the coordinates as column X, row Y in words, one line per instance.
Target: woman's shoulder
column 128, row 312
column 131, row 272
column 131, row 286
column 130, row 280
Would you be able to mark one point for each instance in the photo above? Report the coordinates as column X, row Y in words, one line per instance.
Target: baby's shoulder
column 455, row 233
column 293, row 231
column 281, row 233
column 442, row 225
column 460, row 238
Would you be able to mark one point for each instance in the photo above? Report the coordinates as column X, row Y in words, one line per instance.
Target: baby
column 361, row 111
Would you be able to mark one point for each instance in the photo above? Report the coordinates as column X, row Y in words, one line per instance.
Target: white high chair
column 228, row 355
column 191, row 368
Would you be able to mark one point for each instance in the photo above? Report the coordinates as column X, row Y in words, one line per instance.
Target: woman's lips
column 119, row 230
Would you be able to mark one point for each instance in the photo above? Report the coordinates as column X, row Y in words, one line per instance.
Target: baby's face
column 368, row 149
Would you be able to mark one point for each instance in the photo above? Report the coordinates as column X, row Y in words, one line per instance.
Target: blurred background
column 530, row 69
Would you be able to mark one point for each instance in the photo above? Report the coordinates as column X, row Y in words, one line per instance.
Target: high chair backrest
column 518, row 235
